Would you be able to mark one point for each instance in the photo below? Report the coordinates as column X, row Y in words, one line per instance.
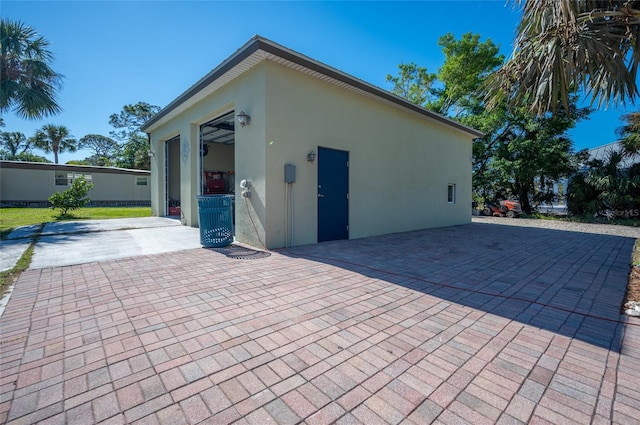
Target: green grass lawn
column 11, row 218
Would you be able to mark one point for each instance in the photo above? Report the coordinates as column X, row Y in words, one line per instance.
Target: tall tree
column 56, row 139
column 134, row 153
column 565, row 46
column 467, row 63
column 104, row 148
column 413, row 83
column 15, row 146
column 128, row 121
column 28, row 85
column 134, row 145
column 14, row 143
column 536, row 154
column 452, row 91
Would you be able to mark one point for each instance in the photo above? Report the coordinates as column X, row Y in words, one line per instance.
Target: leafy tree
column 131, row 118
column 523, row 157
column 134, row 153
column 413, row 83
column 452, row 90
column 30, row 157
column 134, row 144
column 28, row 85
column 96, row 160
column 104, row 148
column 73, row 198
column 56, row 139
column 467, row 64
column 13, row 144
column 567, row 46
column 79, row 162
column 536, row 154
column 16, row 147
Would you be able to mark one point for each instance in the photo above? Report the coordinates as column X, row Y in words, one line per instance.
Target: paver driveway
column 478, row 323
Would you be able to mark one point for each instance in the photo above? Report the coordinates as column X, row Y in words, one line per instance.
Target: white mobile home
column 31, row 183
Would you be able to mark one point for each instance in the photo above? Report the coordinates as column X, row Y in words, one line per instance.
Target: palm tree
column 27, row 83
column 56, row 139
column 565, row 46
column 630, row 134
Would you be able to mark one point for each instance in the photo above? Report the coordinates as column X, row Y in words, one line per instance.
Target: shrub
column 608, row 187
column 73, row 198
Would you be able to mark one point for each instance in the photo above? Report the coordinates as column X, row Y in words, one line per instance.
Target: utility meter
column 289, row 173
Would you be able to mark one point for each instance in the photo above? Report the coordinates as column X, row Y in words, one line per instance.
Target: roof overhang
column 259, row 49
column 24, row 165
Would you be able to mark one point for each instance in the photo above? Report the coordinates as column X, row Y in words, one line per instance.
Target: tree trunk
column 522, row 190
column 523, row 197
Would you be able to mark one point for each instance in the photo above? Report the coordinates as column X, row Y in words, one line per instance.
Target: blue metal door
column 333, row 194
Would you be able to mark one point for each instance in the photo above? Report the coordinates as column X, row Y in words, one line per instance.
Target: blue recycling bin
column 215, row 214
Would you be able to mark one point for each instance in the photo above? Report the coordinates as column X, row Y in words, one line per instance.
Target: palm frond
column 567, row 46
column 28, row 85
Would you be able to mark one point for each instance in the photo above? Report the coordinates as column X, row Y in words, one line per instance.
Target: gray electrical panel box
column 289, row 173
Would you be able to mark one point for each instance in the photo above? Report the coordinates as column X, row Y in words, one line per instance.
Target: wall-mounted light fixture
column 311, row 156
column 243, row 118
column 151, row 154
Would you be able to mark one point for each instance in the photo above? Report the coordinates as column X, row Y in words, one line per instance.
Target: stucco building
column 328, row 156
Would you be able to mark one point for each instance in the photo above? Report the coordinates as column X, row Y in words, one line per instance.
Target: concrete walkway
column 11, row 251
column 481, row 323
column 76, row 242
column 12, row 248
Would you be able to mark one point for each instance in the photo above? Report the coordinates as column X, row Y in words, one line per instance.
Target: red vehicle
column 511, row 209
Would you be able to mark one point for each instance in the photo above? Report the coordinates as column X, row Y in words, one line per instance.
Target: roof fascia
column 260, row 43
column 24, row 165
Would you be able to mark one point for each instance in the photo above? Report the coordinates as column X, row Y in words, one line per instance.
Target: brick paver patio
column 471, row 324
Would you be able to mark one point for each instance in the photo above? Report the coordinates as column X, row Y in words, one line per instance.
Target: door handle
column 320, row 195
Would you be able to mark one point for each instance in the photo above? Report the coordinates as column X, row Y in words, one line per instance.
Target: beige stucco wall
column 400, row 162
column 246, row 93
column 26, row 184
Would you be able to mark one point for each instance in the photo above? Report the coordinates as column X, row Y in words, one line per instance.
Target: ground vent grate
column 241, row 253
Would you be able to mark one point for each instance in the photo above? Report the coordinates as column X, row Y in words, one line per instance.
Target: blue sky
column 114, row 53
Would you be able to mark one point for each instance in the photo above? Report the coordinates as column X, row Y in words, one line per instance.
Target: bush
column 73, row 198
column 607, row 188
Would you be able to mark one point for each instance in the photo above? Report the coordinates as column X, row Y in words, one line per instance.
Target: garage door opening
column 217, row 156
column 172, row 177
